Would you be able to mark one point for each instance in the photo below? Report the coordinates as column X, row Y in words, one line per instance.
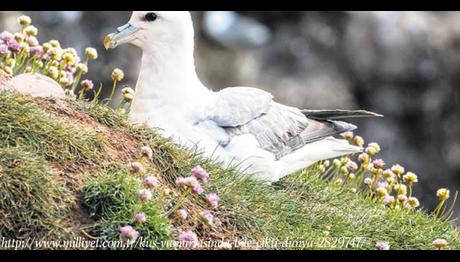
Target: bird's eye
column 150, row 17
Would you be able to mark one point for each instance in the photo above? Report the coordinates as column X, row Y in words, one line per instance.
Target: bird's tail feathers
column 338, row 114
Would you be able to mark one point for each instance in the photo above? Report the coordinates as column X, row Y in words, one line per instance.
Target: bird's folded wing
column 237, row 106
column 279, row 129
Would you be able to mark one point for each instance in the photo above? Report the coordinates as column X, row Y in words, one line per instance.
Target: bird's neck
column 167, row 84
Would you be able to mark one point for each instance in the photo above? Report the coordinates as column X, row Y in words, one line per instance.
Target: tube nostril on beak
column 121, row 28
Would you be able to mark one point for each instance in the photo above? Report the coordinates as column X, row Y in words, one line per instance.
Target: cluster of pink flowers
column 21, row 52
column 193, row 183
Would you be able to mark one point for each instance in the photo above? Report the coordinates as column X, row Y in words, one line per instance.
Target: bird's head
column 152, row 29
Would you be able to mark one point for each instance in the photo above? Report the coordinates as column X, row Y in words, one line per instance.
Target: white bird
column 238, row 125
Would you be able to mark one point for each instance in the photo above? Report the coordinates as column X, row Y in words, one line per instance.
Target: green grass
column 303, row 207
column 111, row 199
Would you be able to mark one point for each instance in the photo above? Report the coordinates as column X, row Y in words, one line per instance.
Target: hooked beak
column 124, row 34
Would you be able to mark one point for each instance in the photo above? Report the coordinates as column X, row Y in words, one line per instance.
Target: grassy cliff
column 64, row 173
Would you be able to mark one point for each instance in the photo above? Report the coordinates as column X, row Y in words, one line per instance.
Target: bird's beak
column 124, row 34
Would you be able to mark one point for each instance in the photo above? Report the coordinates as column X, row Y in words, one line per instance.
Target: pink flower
column 128, row 234
column 182, row 213
column 197, row 189
column 14, row 46
column 3, row 49
column 140, row 217
column 6, row 36
column 351, row 165
column 380, row 245
column 207, row 217
column 200, row 174
column 213, row 200
column 188, row 239
column 378, row 163
column 151, row 182
column 36, row 50
column 145, row 195
column 190, row 182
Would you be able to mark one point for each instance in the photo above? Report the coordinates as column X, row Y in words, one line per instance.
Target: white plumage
column 239, row 125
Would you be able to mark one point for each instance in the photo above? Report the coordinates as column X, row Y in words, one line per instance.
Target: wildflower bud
column 53, row 72
column 413, row 202
column 19, row 37
column 358, row 141
column 212, row 200
column 325, row 233
column 410, row 178
column 388, row 200
column 351, row 176
column 375, row 145
column 145, row 195
column 64, row 81
column 321, row 168
column 388, row 173
column 3, row 49
column 117, row 75
column 347, row 135
column 147, row 152
column 402, row 199
column 380, row 245
column 336, row 163
column 128, row 234
column 344, row 170
column 338, row 182
column 364, row 158
column 30, row 30
column 378, row 163
column 82, row 68
column 71, row 51
column 391, row 181
column 151, row 182
column 207, row 217
column 137, row 167
column 381, row 191
column 188, row 240
column 182, row 213
column 440, row 243
column 371, row 151
column 91, row 53
column 443, row 194
column 351, row 165
column 397, row 169
column 32, row 41
column 87, row 85
column 400, row 189
column 47, row 47
column 326, row 163
column 68, row 59
column 368, row 181
column 24, row 20
column 200, row 174
column 353, row 190
column 55, row 44
column 140, row 218
column 27, row 69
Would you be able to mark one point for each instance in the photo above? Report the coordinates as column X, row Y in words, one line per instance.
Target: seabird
column 237, row 125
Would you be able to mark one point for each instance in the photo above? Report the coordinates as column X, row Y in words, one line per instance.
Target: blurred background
column 405, row 65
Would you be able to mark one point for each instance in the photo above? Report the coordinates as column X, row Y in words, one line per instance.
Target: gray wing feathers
column 279, row 129
column 237, row 106
column 283, row 129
